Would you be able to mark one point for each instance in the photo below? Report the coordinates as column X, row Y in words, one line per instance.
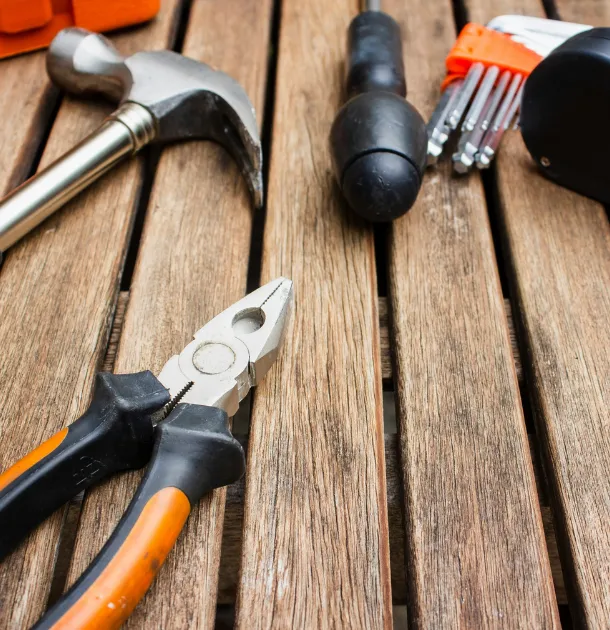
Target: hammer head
column 187, row 98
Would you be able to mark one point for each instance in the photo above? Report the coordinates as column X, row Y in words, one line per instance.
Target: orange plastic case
column 477, row 43
column 27, row 25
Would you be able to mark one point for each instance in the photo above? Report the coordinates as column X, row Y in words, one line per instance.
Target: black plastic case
column 565, row 114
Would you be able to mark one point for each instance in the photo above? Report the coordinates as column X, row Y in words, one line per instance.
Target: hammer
column 162, row 96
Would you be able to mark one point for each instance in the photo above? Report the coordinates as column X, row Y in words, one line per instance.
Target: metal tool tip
column 453, row 121
column 233, row 351
column 483, row 161
column 434, row 148
column 461, row 163
column 259, row 321
column 270, row 306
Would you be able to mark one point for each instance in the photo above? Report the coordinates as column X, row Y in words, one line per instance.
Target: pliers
column 178, row 421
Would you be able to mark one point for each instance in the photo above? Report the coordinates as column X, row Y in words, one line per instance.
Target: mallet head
column 187, row 98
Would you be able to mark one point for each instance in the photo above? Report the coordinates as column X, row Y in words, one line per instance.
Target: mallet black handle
column 374, row 53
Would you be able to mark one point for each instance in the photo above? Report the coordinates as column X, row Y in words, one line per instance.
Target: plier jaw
column 232, row 352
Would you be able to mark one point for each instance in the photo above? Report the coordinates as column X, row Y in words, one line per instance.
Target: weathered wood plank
column 315, row 550
column 386, row 351
column 475, row 549
column 558, row 244
column 27, row 102
column 58, row 288
column 234, row 516
column 192, row 264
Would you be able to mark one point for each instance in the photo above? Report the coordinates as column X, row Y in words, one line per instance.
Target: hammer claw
column 162, row 96
column 245, row 148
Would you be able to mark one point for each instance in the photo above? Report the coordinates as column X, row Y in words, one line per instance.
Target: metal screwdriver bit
column 438, row 131
column 480, row 98
column 491, row 141
column 467, row 148
column 470, row 141
column 465, row 94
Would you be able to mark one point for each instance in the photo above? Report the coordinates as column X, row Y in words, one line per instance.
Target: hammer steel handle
column 123, row 134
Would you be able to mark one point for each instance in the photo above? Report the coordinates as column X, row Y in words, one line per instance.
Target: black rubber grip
column 115, row 433
column 374, row 50
column 378, row 140
column 194, row 453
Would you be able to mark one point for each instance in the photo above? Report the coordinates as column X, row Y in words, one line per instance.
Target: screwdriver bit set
column 486, row 72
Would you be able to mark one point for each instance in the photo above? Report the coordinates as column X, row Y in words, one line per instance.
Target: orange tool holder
column 27, row 25
column 478, row 43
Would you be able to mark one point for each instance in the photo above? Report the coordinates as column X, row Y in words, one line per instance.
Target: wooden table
column 340, row 522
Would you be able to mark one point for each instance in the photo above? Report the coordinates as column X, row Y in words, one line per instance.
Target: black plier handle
column 115, row 433
column 194, row 453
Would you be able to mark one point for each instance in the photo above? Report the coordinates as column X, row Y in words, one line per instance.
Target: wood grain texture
column 191, row 265
column 558, row 245
column 386, row 349
column 27, row 103
column 475, row 550
column 234, row 517
column 58, row 288
column 315, row 542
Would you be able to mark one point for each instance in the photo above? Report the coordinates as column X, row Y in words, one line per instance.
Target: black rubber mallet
column 378, row 139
